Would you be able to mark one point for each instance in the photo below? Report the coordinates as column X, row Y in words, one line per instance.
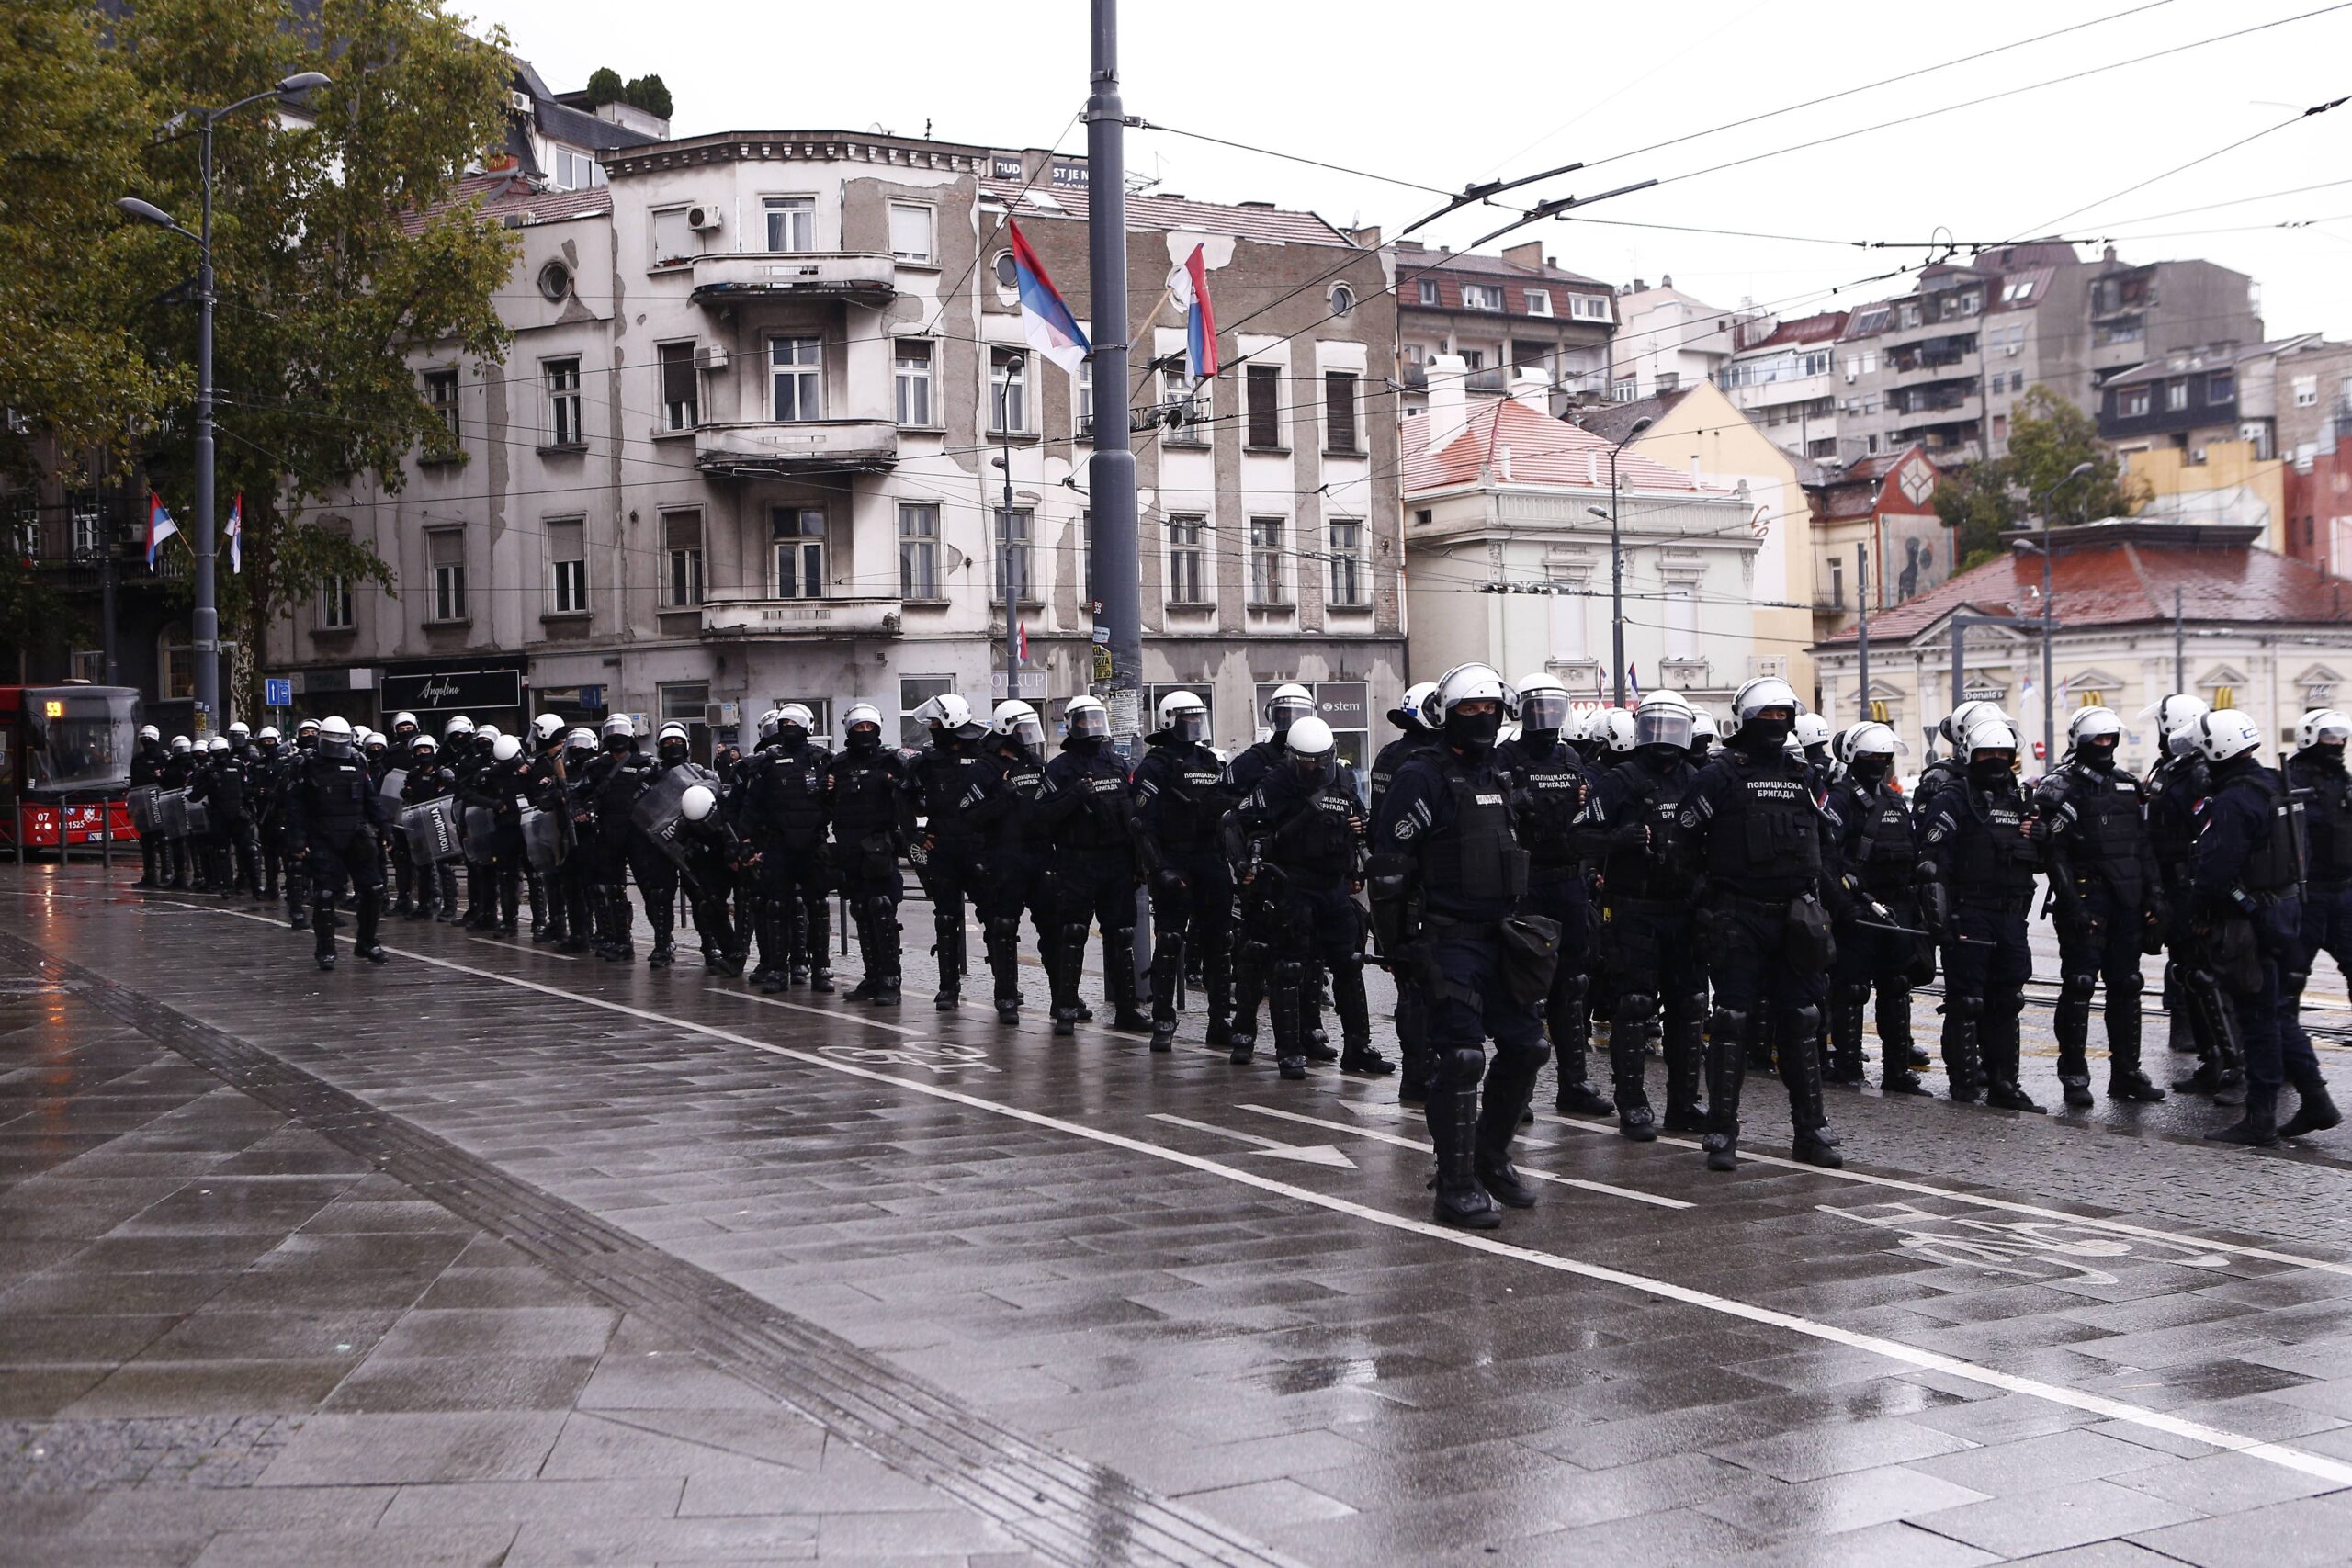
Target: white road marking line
column 518, row 947
column 2120, row 1227
column 1526, row 1170
column 1306, row 1154
column 2335, row 1471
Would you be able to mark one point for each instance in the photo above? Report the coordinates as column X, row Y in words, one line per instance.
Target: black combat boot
column 947, row 936
column 1628, row 1069
column 664, row 917
column 1167, row 969
column 363, row 936
column 1119, row 979
column 1997, row 1032
column 2258, row 1129
column 1846, row 1003
column 1727, row 1054
column 1453, row 1116
column 1062, row 966
column 2125, row 1078
column 1801, row 1071
column 1685, row 1047
column 1511, row 1084
column 322, row 925
column 2071, row 1023
column 1349, row 1001
column 2317, row 1112
column 1290, row 1026
column 1897, row 1054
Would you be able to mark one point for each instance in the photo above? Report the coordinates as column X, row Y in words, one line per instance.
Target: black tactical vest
column 334, row 794
column 1554, row 792
column 2273, row 862
column 2327, row 819
column 1184, row 817
column 1878, row 843
column 2110, row 831
column 1992, row 858
column 865, row 793
column 1765, row 829
column 1106, row 823
column 1651, row 875
column 944, row 781
column 1316, row 839
column 784, row 794
column 2174, row 786
column 1474, row 859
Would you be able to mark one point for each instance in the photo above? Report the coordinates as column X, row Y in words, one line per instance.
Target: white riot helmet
column 1084, row 718
column 1869, row 740
column 1412, row 713
column 459, row 725
column 403, row 717
column 2181, row 740
column 2225, row 733
column 2175, row 709
column 1543, row 704
column 1811, row 730
column 373, row 738
column 1988, row 735
column 335, row 735
column 241, row 731
column 697, row 803
column 1311, row 745
column 547, row 727
column 1579, row 730
column 2092, row 724
column 1184, row 715
column 1703, row 727
column 2323, row 726
column 505, row 749
column 1473, row 684
column 182, row 745
column 1290, row 703
column 310, row 727
column 796, row 714
column 949, row 714
column 620, row 727
column 149, row 732
column 423, row 744
column 1617, row 730
column 268, row 732
column 1018, row 721
column 1763, row 692
column 488, row 733
column 859, row 715
column 673, row 731
column 1663, row 719
column 217, row 743
column 581, row 738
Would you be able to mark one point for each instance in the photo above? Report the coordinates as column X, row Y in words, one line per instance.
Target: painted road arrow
column 1304, row 1153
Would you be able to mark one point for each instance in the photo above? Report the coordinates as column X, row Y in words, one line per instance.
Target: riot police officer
column 1177, row 806
column 572, row 886
column 1252, row 961
column 544, row 778
column 227, row 785
column 1646, row 943
column 2107, row 900
column 1705, row 737
column 2178, row 786
column 1877, row 911
column 609, row 790
column 1750, row 820
column 333, row 815
column 777, row 803
column 1001, row 807
column 430, row 779
column 2316, row 773
column 1811, row 738
column 947, row 855
column 1416, row 736
column 710, row 854
column 1981, row 845
column 1550, row 790
column 869, row 797
column 653, row 864
column 1952, row 768
column 267, row 770
column 2244, row 890
column 178, row 772
column 1413, row 737
column 1303, row 825
column 146, row 773
column 498, row 791
column 1086, row 817
column 1447, row 877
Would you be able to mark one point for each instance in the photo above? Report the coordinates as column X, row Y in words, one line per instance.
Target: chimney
column 1369, row 238
column 1532, row 389
column 1503, row 455
column 1666, row 280
column 1528, row 254
column 2110, row 255
column 1449, row 399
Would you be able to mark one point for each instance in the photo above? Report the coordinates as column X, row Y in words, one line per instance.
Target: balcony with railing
column 1945, row 356
column 804, row 446
column 800, row 619
column 733, row 277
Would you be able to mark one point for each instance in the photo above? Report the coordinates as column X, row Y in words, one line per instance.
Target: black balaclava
column 1988, row 773
column 673, row 749
column 791, row 736
column 618, row 745
column 1764, row 734
column 865, row 739
column 1818, row 754
column 1084, row 745
column 1871, row 766
column 2328, row 755
column 2097, row 754
column 1472, row 735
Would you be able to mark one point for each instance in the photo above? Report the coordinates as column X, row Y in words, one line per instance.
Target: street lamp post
column 2049, row 620
column 205, row 621
column 1617, row 563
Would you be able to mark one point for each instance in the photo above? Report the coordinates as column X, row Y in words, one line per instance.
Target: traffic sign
column 278, row 692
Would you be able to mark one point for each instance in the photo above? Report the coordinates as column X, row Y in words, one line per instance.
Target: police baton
column 1929, row 936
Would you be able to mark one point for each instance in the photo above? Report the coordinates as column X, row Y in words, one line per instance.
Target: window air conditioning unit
column 518, row 100
column 2011, row 349
column 722, row 715
column 704, row 220
column 710, row 357
column 1850, row 374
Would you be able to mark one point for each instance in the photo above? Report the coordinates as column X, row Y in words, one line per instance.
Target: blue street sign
column 278, row 692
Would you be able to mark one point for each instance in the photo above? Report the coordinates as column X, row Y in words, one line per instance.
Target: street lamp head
column 1639, row 426
column 145, row 211
column 1597, row 512
column 2079, row 469
column 304, row 80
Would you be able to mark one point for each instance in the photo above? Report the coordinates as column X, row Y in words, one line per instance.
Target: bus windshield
column 78, row 738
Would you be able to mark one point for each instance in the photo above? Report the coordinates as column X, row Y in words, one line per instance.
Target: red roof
column 1170, row 214
column 1543, row 452
column 509, row 196
column 1805, row 329
column 2131, row 581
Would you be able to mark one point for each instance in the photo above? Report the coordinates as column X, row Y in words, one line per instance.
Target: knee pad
column 1966, row 1009
column 882, row 910
column 1854, row 992
column 2077, row 988
column 1727, row 1026
column 1573, row 988
column 1459, row 1067
column 1636, row 1007
column 1808, row 1020
column 2126, row 986
column 2011, row 1005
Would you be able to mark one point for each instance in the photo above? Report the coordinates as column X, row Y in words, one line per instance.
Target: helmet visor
column 1284, row 712
column 1088, row 721
column 1661, row 726
column 1029, row 730
column 1544, row 710
column 1189, row 727
column 2332, row 732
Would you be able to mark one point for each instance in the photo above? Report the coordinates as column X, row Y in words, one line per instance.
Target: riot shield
column 547, row 838
column 432, row 829
column 197, row 816
column 143, row 809
column 171, row 813
column 388, row 794
column 660, row 809
column 481, row 834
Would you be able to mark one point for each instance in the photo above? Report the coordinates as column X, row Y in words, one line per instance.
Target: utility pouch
column 1806, row 942
column 1531, row 952
column 2233, row 954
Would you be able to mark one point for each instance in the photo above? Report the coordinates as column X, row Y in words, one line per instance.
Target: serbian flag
column 1634, row 681
column 1045, row 321
column 1020, row 640
column 160, row 527
column 236, row 532
column 1190, row 284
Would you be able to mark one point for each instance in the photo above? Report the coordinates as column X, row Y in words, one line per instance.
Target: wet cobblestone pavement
column 492, row 1256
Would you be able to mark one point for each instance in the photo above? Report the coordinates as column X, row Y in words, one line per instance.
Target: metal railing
column 106, row 804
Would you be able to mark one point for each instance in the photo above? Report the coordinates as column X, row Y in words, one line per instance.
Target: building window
column 686, row 702
column 176, row 664
column 89, row 525
column 2022, row 289
column 800, row 552
column 1482, row 296
column 1187, row 562
column 88, row 664
column 792, row 222
column 1339, row 412
column 2000, row 427
column 1429, row 291
column 913, row 372
column 568, row 568
column 1567, row 619
column 564, row 428
column 2220, row 387
column 1266, row 579
column 335, row 604
column 1008, row 392
column 441, row 395
column 680, row 395
column 1475, row 359
column 2136, row 401
column 1010, row 533
column 918, row 550
column 2175, row 396
column 444, row 550
column 796, row 374
column 673, row 237
column 1682, row 622
column 1265, row 391
column 910, row 231
column 1349, row 588
column 2306, row 391
column 913, row 692
column 1189, row 406
column 681, row 560
column 1082, row 399
column 1343, row 300
column 1588, row 306
column 577, row 171
column 1539, row 301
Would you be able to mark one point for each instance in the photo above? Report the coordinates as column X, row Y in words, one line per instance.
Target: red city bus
column 66, row 750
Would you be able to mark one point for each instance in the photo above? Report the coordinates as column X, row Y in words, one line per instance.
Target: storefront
column 1345, row 706
column 486, row 690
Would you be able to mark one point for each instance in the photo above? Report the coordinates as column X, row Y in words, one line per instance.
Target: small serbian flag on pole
column 1189, row 283
column 160, row 527
column 236, row 532
column 1045, row 321
column 1020, row 640
column 1634, row 681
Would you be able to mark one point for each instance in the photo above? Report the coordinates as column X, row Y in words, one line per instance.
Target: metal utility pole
column 1863, row 632
column 2050, row 621
column 1617, row 568
column 1118, row 569
column 205, row 621
column 2180, row 648
column 1006, row 588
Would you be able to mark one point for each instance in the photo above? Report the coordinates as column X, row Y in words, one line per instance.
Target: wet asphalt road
column 492, row 1256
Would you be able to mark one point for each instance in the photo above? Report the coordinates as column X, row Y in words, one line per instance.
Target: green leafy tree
column 339, row 250
column 648, row 93
column 605, row 88
column 2048, row 438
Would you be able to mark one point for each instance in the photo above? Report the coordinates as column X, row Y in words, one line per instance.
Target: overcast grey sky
column 1441, row 94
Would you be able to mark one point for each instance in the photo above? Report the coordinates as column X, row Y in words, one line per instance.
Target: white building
column 1665, row 340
